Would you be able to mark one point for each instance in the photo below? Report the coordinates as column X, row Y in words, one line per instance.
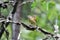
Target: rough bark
column 16, row 19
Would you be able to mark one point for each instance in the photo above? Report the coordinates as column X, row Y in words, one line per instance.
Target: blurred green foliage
column 47, row 13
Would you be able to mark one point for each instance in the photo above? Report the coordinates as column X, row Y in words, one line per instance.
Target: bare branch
column 36, row 28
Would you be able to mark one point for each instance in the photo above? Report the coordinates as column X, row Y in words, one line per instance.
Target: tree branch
column 36, row 28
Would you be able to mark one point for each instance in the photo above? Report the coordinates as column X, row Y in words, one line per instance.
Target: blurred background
column 46, row 13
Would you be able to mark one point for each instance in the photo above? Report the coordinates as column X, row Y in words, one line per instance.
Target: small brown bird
column 32, row 19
